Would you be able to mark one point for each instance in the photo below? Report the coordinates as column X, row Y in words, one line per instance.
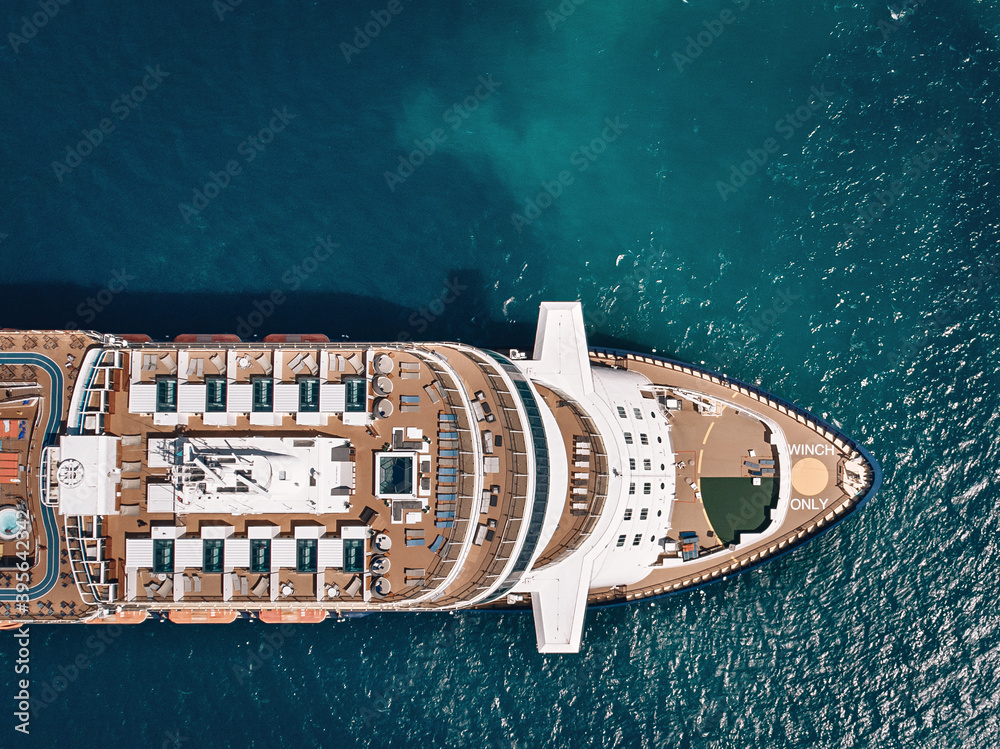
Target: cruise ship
column 294, row 480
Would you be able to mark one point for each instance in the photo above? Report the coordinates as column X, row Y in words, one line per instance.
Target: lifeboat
column 207, row 338
column 10, row 625
column 202, row 616
column 296, row 338
column 292, row 616
column 121, row 617
column 136, row 338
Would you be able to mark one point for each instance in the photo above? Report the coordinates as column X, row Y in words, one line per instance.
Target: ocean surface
column 805, row 195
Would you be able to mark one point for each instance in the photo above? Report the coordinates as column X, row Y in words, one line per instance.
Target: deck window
column 166, row 394
column 354, row 555
column 631, row 464
column 305, row 555
column 309, row 395
column 643, row 513
column 213, row 553
column 644, row 438
column 621, row 412
column 647, row 464
column 647, row 488
column 628, row 513
column 637, row 539
column 215, row 394
column 631, row 488
column 628, row 438
column 621, row 540
column 163, row 555
column 260, row 555
column 263, row 394
column 356, row 394
column 637, row 412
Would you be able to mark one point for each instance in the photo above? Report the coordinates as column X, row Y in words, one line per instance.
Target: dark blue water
column 805, row 196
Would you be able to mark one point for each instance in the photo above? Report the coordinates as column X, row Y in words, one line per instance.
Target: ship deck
column 721, row 445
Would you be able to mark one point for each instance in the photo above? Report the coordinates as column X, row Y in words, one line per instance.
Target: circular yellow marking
column 810, row 477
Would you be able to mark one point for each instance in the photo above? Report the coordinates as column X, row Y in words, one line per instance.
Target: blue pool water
column 804, row 195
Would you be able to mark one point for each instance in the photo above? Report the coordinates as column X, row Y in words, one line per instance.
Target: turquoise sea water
column 884, row 633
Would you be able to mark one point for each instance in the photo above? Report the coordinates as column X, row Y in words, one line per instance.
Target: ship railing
column 48, row 488
column 86, row 555
column 831, row 433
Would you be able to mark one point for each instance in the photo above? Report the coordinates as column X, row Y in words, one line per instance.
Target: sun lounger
column 218, row 362
column 438, row 543
column 131, row 466
column 130, row 510
column 353, row 587
column 170, row 363
column 355, row 361
column 197, row 585
column 167, row 588
column 265, row 363
column 131, row 483
column 261, row 587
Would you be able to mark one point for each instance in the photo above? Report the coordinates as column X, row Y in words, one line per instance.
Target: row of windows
column 635, row 411
column 647, row 487
column 635, row 541
column 643, row 513
column 647, row 464
column 643, row 438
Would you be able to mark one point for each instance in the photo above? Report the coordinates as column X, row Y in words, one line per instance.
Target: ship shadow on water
column 456, row 311
column 460, row 310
